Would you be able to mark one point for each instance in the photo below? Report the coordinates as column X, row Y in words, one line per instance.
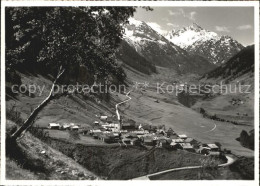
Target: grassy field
column 186, row 121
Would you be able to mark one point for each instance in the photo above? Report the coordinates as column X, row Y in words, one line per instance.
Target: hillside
column 195, row 39
column 239, row 65
column 234, row 100
column 127, row 55
column 33, row 159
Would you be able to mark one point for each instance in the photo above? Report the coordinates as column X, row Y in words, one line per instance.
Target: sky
column 237, row 22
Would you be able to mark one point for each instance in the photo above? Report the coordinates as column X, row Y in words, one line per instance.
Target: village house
column 103, row 118
column 54, row 126
column 65, row 126
column 213, row 147
column 203, row 149
column 148, row 140
column 175, row 145
column 187, row 147
column 74, row 127
column 183, row 136
column 178, row 140
column 111, row 127
column 164, row 142
column 128, row 126
column 173, row 136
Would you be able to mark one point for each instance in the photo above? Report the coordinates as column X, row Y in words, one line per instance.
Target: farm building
column 112, row 126
column 54, row 126
column 128, row 126
column 103, row 118
column 148, row 141
column 213, row 147
column 178, row 140
column 164, row 143
column 74, row 127
column 65, row 126
column 175, row 145
column 187, row 147
column 108, row 137
column 96, row 123
column 183, row 136
column 204, row 150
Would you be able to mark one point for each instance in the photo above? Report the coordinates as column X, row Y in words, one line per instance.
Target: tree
column 61, row 39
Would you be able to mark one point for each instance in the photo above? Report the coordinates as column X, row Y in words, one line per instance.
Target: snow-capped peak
column 195, row 27
column 187, row 36
column 133, row 21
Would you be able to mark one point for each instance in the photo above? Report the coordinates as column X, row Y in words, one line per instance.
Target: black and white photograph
column 137, row 91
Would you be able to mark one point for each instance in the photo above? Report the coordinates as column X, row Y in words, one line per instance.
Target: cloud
column 222, row 29
column 157, row 27
column 180, row 11
column 244, row 27
column 172, row 13
column 172, row 25
column 192, row 15
column 165, row 19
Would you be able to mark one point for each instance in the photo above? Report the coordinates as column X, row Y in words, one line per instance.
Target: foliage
column 39, row 132
column 244, row 166
column 209, row 168
column 247, row 140
column 13, row 115
column 66, row 36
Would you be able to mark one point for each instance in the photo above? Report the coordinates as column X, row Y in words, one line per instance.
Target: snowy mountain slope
column 158, row 50
column 217, row 49
column 189, row 35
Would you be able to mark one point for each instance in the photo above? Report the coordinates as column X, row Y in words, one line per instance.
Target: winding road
column 129, row 98
column 212, row 128
column 230, row 160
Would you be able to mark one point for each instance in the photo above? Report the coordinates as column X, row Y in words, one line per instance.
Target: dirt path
column 129, row 98
column 230, row 160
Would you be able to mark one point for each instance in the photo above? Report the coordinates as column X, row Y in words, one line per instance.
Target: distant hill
column 238, row 65
column 216, row 49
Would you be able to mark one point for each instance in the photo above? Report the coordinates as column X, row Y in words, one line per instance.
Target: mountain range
column 216, row 49
column 159, row 51
column 189, row 50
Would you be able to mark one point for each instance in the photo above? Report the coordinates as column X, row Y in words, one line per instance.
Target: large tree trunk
column 36, row 111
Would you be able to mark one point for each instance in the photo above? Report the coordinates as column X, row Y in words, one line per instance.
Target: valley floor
column 187, row 121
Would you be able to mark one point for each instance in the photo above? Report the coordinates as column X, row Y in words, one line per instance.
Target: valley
column 137, row 115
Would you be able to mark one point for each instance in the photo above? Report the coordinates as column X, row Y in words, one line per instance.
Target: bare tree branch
column 30, row 120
